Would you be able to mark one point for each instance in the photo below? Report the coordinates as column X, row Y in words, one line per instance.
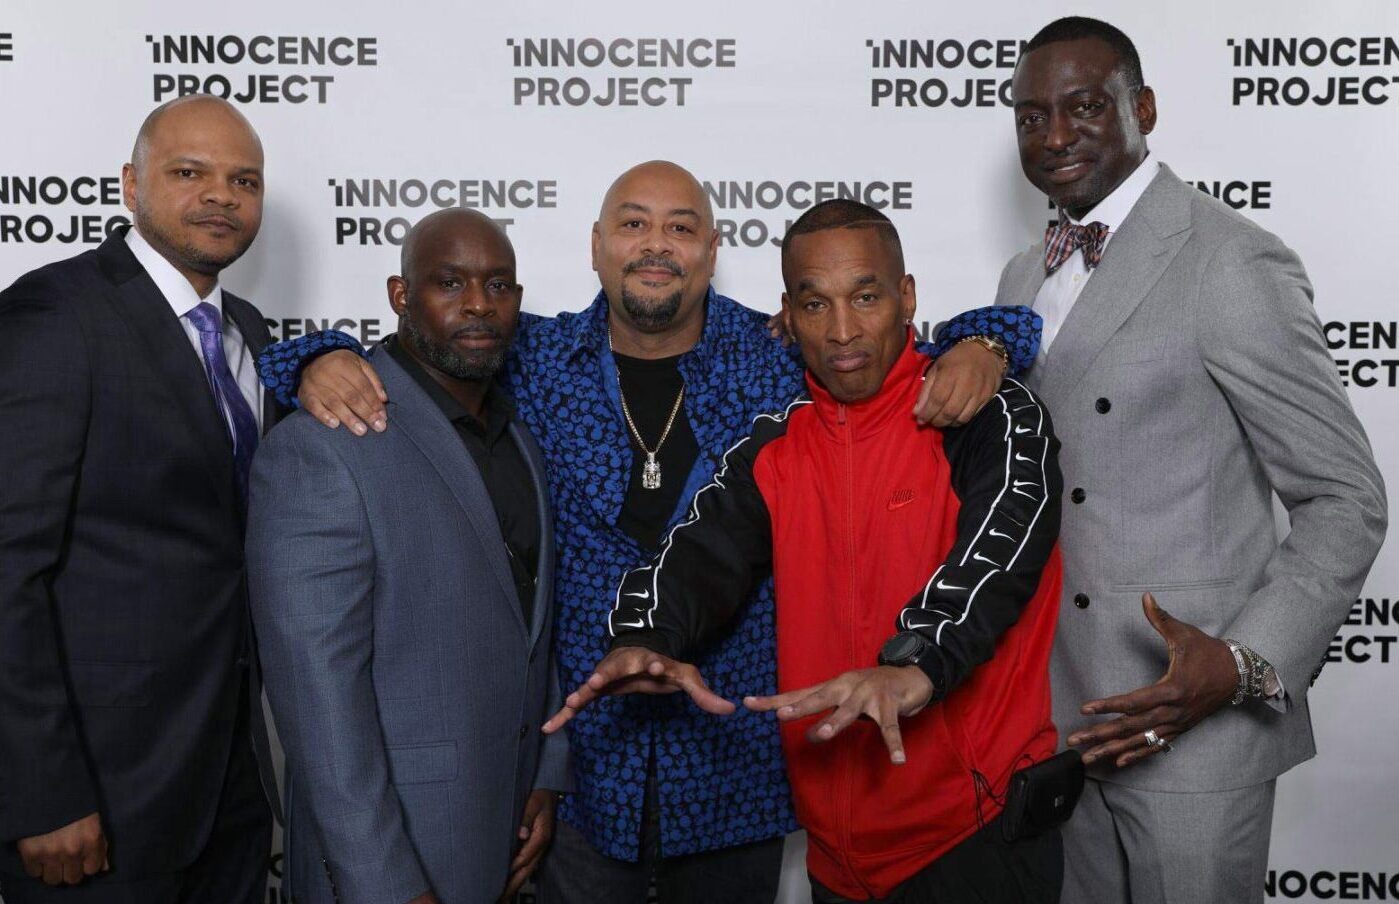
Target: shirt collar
column 498, row 409
column 177, row 290
column 591, row 334
column 1113, row 209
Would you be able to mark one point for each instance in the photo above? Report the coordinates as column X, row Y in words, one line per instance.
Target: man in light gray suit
column 401, row 589
column 1189, row 382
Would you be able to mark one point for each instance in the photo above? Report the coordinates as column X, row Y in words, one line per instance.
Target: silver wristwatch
column 1253, row 673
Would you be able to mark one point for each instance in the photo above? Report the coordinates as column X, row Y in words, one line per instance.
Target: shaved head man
column 430, row 782
column 635, row 399
column 132, row 742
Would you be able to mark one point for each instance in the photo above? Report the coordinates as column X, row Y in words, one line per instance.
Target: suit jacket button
column 524, row 730
column 1081, row 600
column 1103, row 406
column 1078, row 495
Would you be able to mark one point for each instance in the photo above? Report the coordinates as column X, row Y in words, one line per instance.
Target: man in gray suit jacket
column 1190, row 383
column 401, row 588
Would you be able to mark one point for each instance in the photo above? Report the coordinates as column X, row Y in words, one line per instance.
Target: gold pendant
column 651, row 473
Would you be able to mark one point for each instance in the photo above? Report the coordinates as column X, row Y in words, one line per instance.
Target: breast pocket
column 420, row 764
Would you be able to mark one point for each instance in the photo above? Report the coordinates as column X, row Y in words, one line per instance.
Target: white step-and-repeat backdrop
column 372, row 115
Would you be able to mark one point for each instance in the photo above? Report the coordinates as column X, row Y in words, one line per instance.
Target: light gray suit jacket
column 407, row 689
column 1198, row 331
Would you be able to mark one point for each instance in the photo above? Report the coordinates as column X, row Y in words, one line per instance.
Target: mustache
column 653, row 263
column 478, row 329
column 206, row 215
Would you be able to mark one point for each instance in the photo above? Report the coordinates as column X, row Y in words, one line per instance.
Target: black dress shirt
column 650, row 387
column 502, row 466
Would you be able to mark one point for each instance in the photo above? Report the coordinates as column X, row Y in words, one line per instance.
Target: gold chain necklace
column 651, row 470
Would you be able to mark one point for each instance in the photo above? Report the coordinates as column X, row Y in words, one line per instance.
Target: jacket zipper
column 847, row 767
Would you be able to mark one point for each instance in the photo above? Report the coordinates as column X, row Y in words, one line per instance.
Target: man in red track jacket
column 917, row 590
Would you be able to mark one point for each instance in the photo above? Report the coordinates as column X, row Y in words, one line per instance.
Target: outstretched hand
column 883, row 695
column 637, row 670
column 1200, row 678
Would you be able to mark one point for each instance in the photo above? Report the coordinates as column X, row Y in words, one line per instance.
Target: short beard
column 652, row 316
column 191, row 257
column 454, row 362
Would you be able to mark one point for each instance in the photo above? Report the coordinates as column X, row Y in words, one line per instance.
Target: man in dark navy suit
column 132, row 744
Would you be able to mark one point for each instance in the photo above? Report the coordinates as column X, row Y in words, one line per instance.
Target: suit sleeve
column 1263, row 346
column 45, row 403
column 709, row 563
column 311, row 578
column 1005, row 473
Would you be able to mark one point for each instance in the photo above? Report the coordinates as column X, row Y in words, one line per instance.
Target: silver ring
column 1155, row 741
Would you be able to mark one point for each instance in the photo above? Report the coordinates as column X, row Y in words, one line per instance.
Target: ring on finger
column 1156, row 742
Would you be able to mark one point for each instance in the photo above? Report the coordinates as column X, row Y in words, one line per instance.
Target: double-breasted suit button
column 1078, row 495
column 1081, row 600
column 1103, row 406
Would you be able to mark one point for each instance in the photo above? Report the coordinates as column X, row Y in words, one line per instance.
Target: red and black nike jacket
column 871, row 525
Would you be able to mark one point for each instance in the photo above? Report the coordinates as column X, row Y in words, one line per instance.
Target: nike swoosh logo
column 995, row 533
column 1019, row 457
column 911, row 624
column 942, row 585
column 642, row 594
column 979, row 557
column 639, row 623
column 1024, row 429
column 1025, row 483
column 1023, row 407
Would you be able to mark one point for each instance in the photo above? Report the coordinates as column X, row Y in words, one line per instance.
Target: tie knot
column 1062, row 239
column 206, row 318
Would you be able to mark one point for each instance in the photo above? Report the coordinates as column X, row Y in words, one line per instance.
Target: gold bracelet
column 995, row 346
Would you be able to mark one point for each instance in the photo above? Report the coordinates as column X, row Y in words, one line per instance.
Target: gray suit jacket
column 407, row 690
column 1198, row 331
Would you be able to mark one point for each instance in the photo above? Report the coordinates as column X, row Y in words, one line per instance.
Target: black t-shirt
column 503, row 470
column 650, row 386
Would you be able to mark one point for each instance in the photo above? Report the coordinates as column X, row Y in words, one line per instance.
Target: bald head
column 457, row 300
column 664, row 178
column 194, row 184
column 654, row 249
column 194, row 110
column 454, row 225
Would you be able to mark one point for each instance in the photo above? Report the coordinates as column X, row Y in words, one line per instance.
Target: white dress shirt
column 1061, row 288
column 182, row 297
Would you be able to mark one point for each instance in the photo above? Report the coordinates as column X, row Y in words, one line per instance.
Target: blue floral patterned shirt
column 721, row 781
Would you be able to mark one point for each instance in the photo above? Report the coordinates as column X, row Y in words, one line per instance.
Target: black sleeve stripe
column 629, row 588
column 1002, row 535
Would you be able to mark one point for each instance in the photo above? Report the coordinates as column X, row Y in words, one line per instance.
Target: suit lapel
column 257, row 338
column 424, row 424
column 1136, row 257
column 170, row 354
column 544, row 577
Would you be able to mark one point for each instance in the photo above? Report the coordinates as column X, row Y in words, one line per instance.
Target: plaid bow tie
column 1063, row 239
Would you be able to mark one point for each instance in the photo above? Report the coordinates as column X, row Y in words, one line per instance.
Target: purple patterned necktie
column 232, row 405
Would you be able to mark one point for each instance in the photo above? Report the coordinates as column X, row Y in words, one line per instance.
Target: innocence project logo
column 315, row 57
column 665, row 67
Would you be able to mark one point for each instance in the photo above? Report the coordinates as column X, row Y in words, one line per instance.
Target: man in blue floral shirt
column 633, row 405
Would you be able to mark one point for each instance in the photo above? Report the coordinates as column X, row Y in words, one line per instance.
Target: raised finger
column 819, row 700
column 1133, row 702
column 559, row 719
column 1114, row 729
column 777, row 701
column 888, row 720
column 689, row 678
column 844, row 716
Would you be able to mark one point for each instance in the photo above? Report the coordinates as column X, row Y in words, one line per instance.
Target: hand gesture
column 637, row 670
column 536, row 831
column 883, row 695
column 1200, row 678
